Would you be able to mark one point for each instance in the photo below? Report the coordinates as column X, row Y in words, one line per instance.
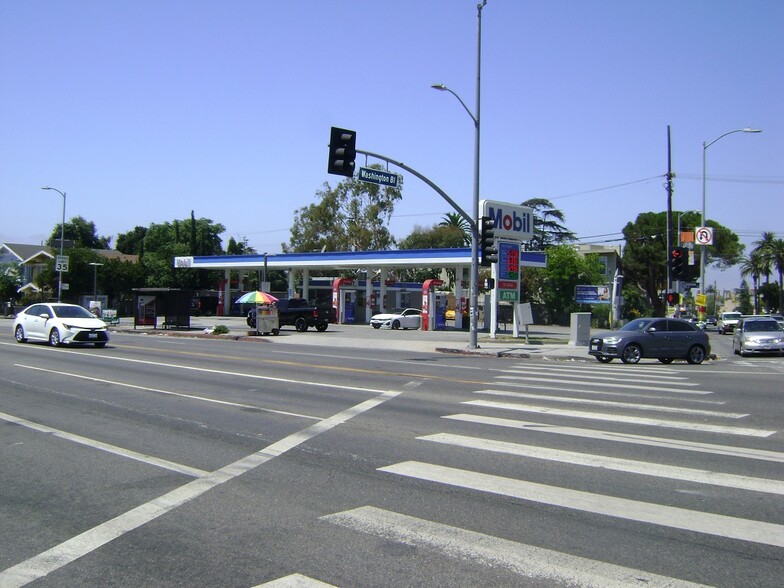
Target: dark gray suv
column 665, row 339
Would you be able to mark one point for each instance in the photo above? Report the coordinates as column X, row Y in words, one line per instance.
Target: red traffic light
column 677, row 253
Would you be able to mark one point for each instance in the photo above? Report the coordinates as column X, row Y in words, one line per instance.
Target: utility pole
column 669, row 207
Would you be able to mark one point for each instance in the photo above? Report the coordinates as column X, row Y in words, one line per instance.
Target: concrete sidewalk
column 544, row 342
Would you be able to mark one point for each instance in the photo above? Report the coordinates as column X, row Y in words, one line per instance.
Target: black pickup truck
column 300, row 314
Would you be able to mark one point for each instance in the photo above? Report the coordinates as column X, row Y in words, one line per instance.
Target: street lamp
column 95, row 265
column 704, row 190
column 474, row 294
column 62, row 240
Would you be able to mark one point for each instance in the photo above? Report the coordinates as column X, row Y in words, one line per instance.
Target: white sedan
column 399, row 318
column 60, row 323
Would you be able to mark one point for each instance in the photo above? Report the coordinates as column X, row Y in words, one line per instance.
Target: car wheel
column 396, row 324
column 54, row 337
column 604, row 359
column 19, row 334
column 696, row 354
column 301, row 324
column 631, row 353
column 322, row 327
column 665, row 360
column 275, row 332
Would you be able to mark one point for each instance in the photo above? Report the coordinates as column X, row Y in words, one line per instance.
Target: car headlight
column 612, row 340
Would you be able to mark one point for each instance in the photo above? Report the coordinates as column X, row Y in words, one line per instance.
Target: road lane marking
column 597, row 416
column 612, row 463
column 632, row 394
column 169, row 392
column 729, row 450
column 612, row 403
column 53, row 559
column 603, row 377
column 669, row 390
column 519, row 558
column 600, row 504
column 142, row 457
column 295, row 581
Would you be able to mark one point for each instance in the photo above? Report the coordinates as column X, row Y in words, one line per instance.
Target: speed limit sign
column 703, row 236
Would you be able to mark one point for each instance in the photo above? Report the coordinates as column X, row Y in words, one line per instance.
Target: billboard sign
column 592, row 294
column 512, row 221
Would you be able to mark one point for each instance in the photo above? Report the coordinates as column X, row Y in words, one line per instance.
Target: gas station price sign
column 508, row 261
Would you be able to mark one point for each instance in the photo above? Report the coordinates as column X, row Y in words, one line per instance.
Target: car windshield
column 72, row 312
column 731, row 316
column 636, row 325
column 757, row 326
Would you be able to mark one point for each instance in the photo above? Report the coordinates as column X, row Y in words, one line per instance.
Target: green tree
column 163, row 242
column 81, row 232
column 10, row 282
column 79, row 276
column 455, row 221
column 771, row 251
column 548, row 227
column 441, row 236
column 132, row 242
column 744, row 299
column 645, row 254
column 754, row 265
column 553, row 287
column 352, row 216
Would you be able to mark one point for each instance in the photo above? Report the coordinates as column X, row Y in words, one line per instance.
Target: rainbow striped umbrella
column 257, row 297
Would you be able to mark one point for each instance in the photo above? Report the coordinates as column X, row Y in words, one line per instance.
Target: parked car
column 666, row 339
column 727, row 322
column 399, row 318
column 300, row 314
column 757, row 334
column 60, row 323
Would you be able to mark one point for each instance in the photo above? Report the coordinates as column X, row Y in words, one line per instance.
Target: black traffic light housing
column 678, row 261
column 673, row 298
column 342, row 152
column 487, row 246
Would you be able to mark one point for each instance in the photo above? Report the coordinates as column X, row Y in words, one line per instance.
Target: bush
column 220, row 330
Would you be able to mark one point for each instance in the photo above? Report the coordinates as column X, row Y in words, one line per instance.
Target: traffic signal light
column 678, row 262
column 342, row 152
column 673, row 298
column 487, row 246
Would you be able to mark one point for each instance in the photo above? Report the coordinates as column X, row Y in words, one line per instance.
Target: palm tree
column 455, row 220
column 548, row 229
column 777, row 256
column 764, row 246
column 755, row 266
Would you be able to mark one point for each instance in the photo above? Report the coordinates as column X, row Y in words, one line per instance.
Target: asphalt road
column 169, row 461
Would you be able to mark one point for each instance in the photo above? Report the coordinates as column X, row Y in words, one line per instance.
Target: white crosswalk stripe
column 617, row 437
column 643, row 468
column 597, row 416
column 525, row 560
column 616, row 392
column 615, row 404
column 633, row 510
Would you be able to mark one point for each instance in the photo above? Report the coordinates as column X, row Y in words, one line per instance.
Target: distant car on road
column 399, row 318
column 666, row 339
column 60, row 323
column 756, row 334
column 727, row 322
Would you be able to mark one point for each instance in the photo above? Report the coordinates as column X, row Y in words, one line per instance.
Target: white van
column 727, row 322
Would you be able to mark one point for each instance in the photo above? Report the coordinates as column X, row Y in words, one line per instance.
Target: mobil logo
column 512, row 221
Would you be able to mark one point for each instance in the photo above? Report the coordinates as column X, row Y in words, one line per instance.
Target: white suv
column 727, row 322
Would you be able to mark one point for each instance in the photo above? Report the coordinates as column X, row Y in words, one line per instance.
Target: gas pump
column 349, row 302
column 429, row 307
column 439, row 304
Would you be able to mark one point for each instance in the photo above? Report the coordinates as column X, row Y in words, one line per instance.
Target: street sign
column 61, row 263
column 703, row 236
column 701, row 299
column 377, row 176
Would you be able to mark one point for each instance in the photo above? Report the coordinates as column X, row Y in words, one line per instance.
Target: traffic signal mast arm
column 439, row 191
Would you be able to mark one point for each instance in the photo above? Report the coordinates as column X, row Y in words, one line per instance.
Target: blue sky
column 143, row 111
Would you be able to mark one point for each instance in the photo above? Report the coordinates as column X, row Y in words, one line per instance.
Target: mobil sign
column 512, row 221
